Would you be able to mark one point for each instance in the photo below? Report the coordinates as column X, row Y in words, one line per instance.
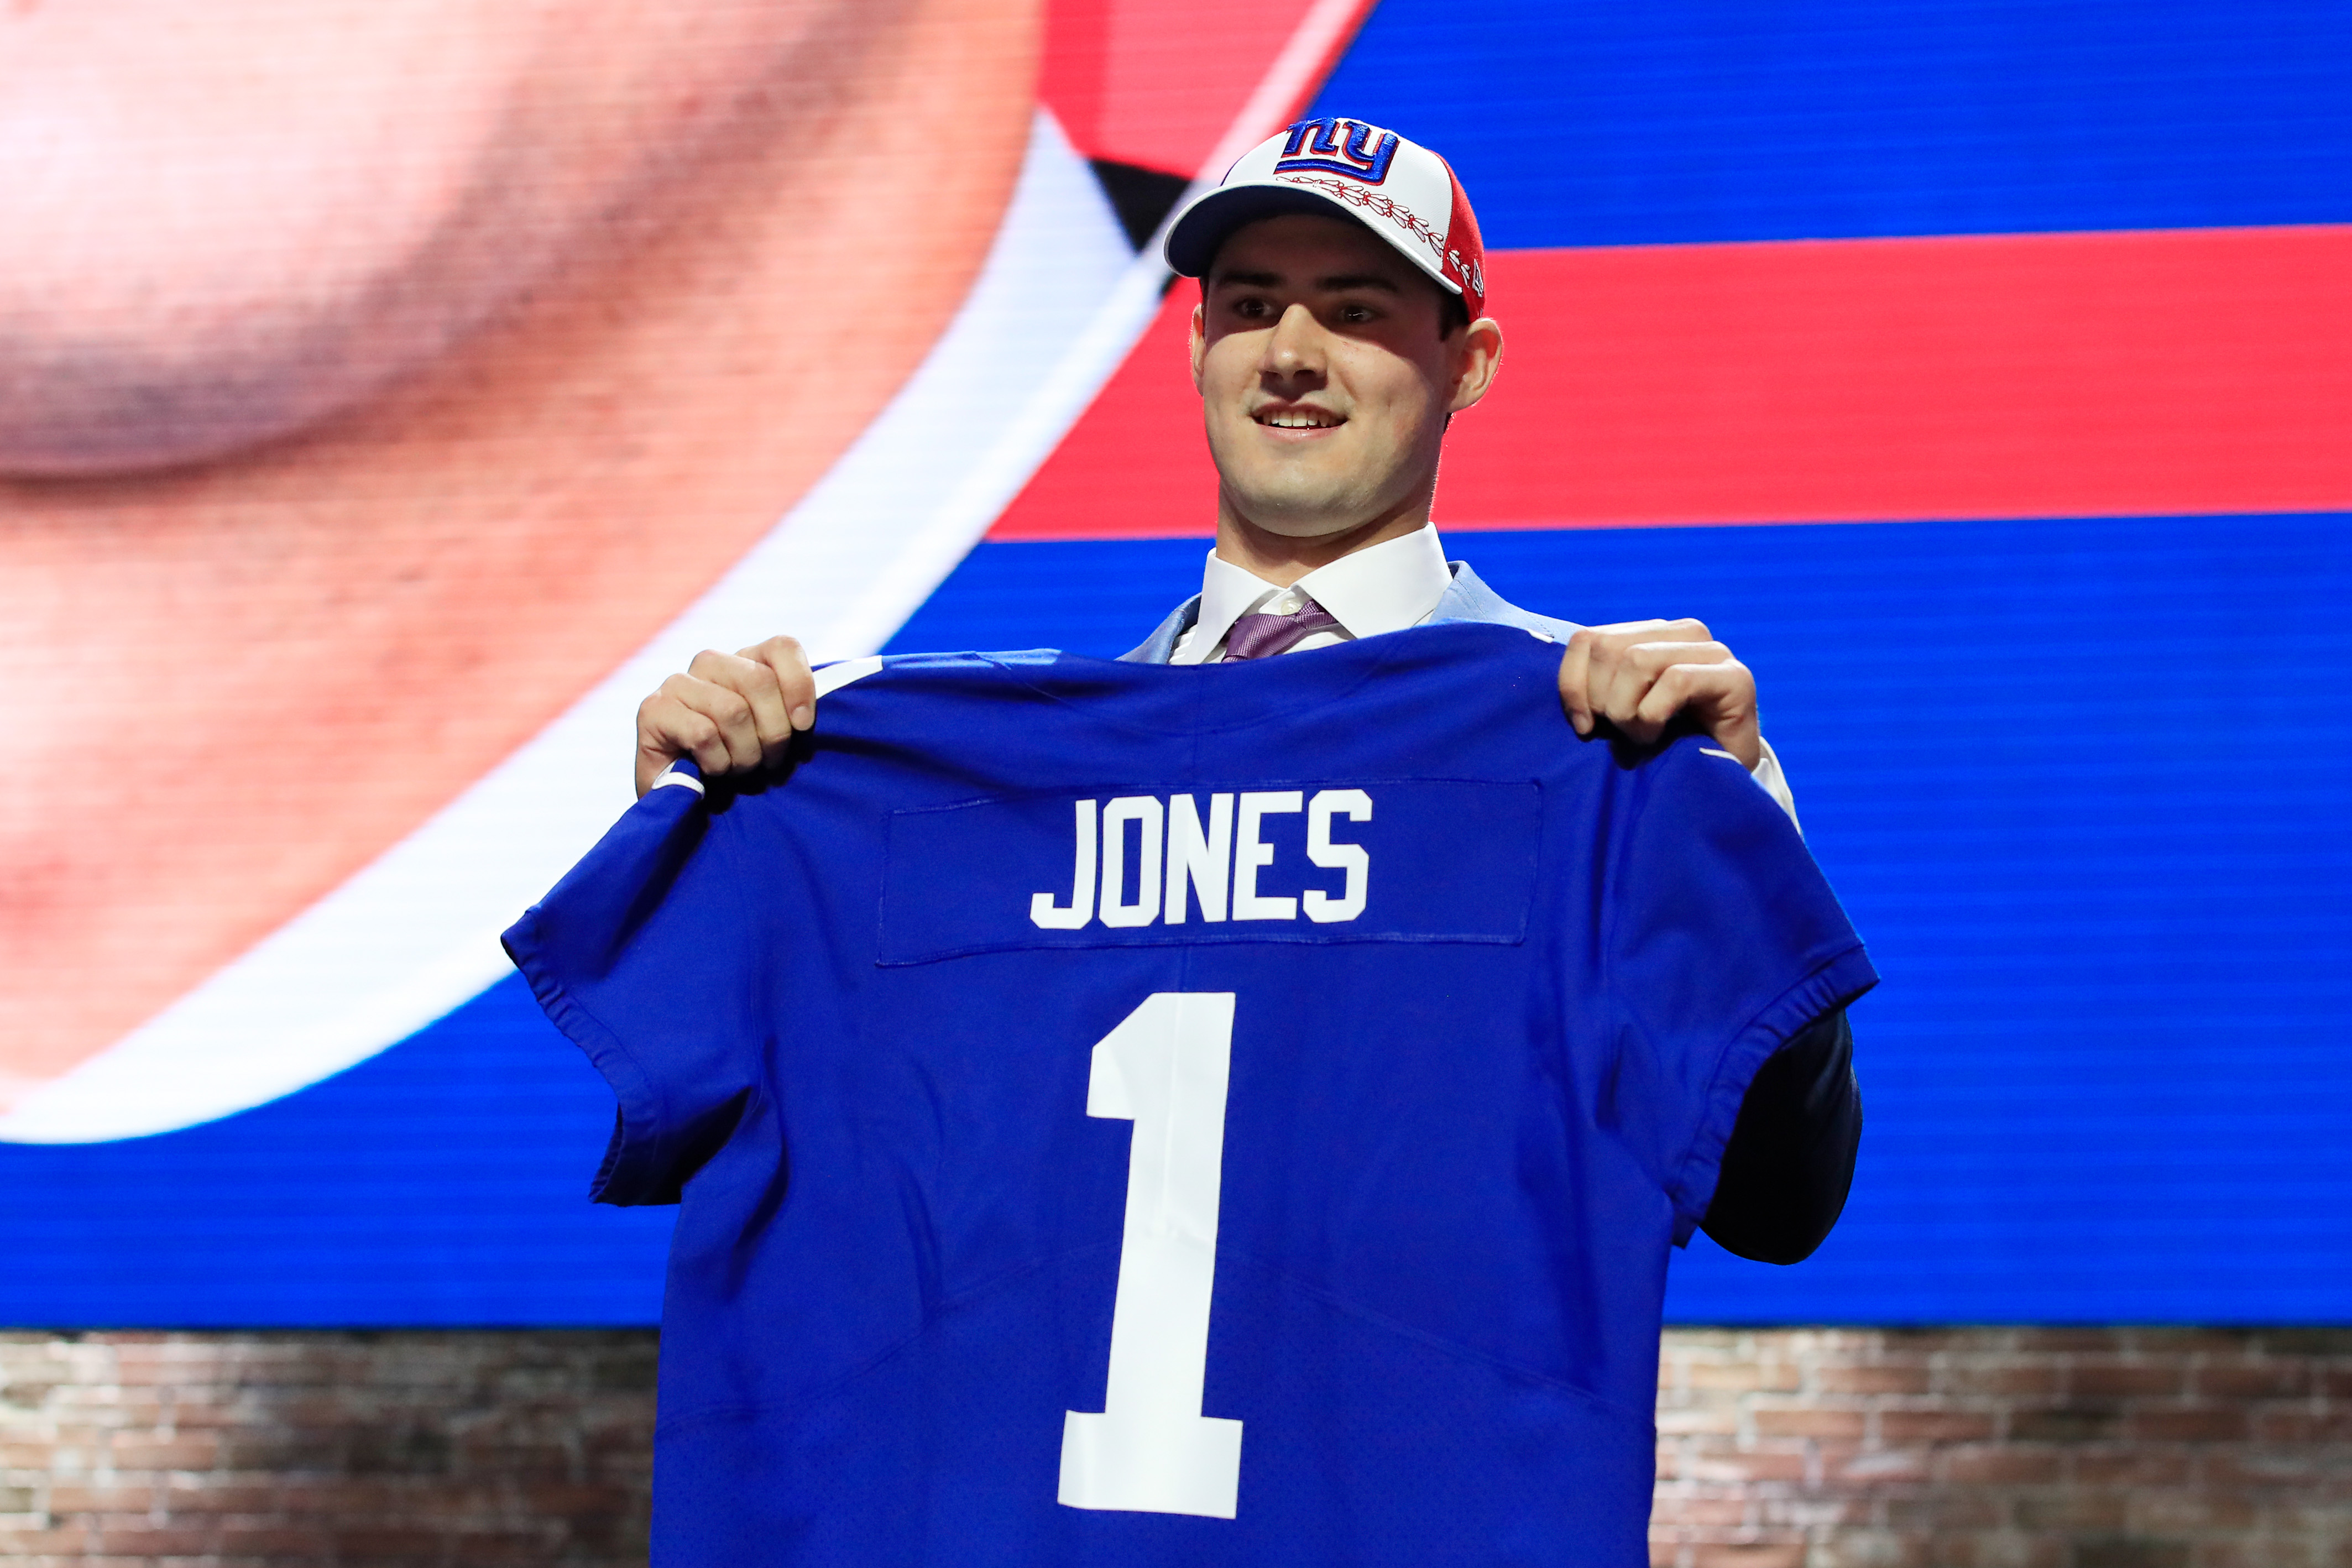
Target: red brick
column 2206, row 1424
column 140, row 1452
column 1934, row 1426
column 1740, row 1377
column 2260, row 1469
column 1904, row 1377
column 108, row 1497
column 1996, row 1465
column 2131, row 1552
column 2101, row 1379
column 2142, row 1466
column 2045, row 1342
column 1945, row 1513
column 2305, row 1342
column 1746, row 1466
column 2064, row 1423
column 43, row 1539
column 1679, row 1421
column 312, row 1543
column 2073, row 1510
column 2296, row 1426
column 1880, row 1466
column 388, row 1542
column 2253, row 1380
column 1845, row 1423
column 143, row 1539
column 1928, row 1342
column 1785, row 1554
column 2186, row 1342
column 2162, row 1510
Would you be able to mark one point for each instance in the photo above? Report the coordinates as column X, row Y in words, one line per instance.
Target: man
column 1341, row 326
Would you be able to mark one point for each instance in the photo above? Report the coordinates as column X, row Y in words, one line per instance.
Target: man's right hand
column 730, row 712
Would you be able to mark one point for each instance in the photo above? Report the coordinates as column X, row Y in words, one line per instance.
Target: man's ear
column 1480, row 355
column 1200, row 343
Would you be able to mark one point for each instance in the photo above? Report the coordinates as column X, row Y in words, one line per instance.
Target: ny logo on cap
column 1318, row 144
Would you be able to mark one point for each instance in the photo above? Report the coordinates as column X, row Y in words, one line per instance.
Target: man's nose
column 1296, row 345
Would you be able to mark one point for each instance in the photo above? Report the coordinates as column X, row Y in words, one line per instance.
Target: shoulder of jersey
column 1473, row 649
column 1714, row 771
column 831, row 678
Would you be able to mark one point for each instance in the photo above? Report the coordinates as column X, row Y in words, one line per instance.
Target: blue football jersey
column 1134, row 1115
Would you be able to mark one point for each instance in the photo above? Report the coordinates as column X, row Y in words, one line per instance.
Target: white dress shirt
column 1383, row 588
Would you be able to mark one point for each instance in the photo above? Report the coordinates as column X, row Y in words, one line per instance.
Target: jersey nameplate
column 1387, row 861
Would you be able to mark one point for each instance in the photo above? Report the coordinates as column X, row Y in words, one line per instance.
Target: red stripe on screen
column 2006, row 376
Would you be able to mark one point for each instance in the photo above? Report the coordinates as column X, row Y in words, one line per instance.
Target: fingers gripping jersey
column 1135, row 1115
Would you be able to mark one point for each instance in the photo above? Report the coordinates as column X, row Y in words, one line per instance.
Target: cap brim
column 1196, row 236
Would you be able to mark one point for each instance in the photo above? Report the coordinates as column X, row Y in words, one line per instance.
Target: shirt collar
column 1383, row 588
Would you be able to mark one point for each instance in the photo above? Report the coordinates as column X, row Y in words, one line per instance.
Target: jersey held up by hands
column 1136, row 1115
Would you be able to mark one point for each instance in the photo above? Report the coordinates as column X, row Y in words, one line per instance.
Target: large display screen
column 390, row 395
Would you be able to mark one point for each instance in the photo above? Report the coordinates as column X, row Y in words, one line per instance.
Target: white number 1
column 1150, row 1450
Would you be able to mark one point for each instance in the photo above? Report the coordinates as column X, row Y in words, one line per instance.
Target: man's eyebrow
column 1337, row 283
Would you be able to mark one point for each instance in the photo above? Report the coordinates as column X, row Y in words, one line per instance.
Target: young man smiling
column 1342, row 324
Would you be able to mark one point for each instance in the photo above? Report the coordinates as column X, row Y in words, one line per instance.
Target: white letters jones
column 1183, row 862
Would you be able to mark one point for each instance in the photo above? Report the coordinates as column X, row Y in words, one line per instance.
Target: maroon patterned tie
column 1263, row 636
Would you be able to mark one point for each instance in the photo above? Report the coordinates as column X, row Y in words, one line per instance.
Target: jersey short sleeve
column 646, row 955
column 1721, row 940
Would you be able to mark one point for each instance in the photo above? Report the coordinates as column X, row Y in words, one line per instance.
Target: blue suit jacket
column 1469, row 599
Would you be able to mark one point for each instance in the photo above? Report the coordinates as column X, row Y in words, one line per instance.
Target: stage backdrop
column 1982, row 373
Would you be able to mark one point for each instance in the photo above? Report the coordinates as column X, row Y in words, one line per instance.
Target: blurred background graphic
column 390, row 394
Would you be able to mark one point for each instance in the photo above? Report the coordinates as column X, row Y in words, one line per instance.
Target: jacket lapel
column 1160, row 646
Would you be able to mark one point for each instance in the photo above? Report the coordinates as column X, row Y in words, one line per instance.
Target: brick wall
column 1957, row 1449
column 469, row 1450
column 2005, row 1448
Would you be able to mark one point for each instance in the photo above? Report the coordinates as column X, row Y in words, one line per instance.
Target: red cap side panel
column 1466, row 252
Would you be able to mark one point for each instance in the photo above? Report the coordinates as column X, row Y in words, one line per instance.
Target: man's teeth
column 1301, row 419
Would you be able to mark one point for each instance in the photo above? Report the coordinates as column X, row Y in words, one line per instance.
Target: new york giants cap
column 1398, row 189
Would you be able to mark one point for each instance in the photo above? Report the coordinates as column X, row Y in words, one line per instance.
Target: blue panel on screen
column 443, row 1183
column 2074, row 787
column 1615, row 124
column 2063, row 773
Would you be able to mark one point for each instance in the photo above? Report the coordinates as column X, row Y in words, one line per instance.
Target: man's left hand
column 1641, row 676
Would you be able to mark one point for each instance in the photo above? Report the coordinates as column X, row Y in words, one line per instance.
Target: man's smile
column 1298, row 416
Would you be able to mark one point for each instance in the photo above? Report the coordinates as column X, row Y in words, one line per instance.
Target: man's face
column 1324, row 377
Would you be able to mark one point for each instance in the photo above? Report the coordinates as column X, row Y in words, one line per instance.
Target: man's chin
column 1318, row 529
column 1308, row 516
